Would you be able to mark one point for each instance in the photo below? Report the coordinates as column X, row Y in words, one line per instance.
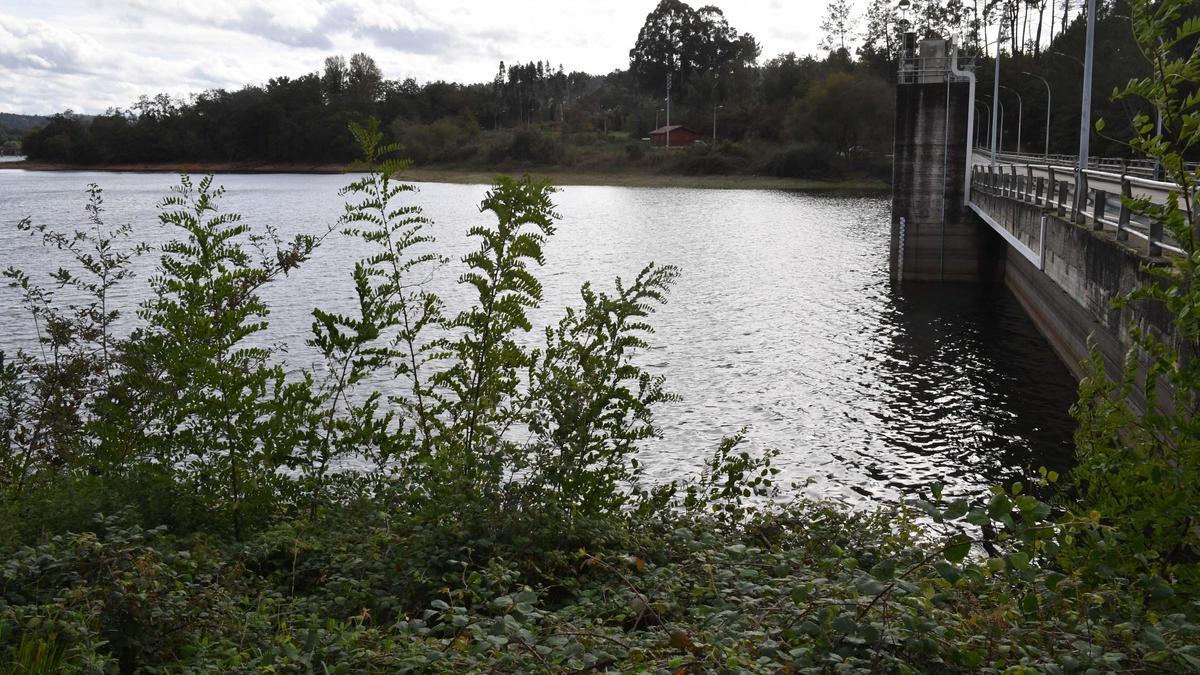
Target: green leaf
column 884, row 569
column 957, row 548
column 957, row 509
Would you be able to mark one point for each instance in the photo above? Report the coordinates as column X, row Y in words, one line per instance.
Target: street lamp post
column 715, row 109
column 1020, row 113
column 1073, row 58
column 1085, row 122
column 1000, row 114
column 1045, row 82
column 996, row 89
column 989, row 114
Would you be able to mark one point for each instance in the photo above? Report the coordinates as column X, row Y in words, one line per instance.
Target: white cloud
column 90, row 55
column 37, row 45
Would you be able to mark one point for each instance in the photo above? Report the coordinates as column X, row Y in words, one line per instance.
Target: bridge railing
column 1143, row 168
column 1087, row 197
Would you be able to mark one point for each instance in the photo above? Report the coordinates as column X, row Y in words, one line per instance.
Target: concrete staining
column 1084, row 271
column 942, row 241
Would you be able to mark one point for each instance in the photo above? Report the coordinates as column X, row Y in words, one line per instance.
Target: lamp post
column 1045, row 82
column 1085, row 121
column 1000, row 114
column 996, row 106
column 715, row 109
column 989, row 114
column 1020, row 112
column 1073, row 58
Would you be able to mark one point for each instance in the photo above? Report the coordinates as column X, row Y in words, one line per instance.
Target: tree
column 882, row 32
column 364, row 82
column 688, row 46
column 837, row 25
column 333, row 81
column 664, row 46
column 824, row 116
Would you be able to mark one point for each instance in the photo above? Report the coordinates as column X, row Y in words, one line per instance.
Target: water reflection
column 784, row 320
column 978, row 391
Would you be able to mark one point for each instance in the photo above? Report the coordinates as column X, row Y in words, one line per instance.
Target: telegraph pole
column 669, row 108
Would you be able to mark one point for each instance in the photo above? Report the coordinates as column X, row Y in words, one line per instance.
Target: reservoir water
column 783, row 322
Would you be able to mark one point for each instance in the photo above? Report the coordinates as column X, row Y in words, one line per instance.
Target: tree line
column 787, row 107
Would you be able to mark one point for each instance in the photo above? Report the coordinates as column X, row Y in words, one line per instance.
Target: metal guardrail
column 1046, row 185
column 931, row 69
column 1144, row 168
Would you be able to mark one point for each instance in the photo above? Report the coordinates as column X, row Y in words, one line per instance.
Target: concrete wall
column 941, row 240
column 1084, row 271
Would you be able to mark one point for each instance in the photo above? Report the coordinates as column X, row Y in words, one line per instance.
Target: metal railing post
column 1154, row 239
column 1099, row 209
column 1081, row 195
column 1123, row 219
column 1042, row 245
column 1062, row 199
column 1037, row 191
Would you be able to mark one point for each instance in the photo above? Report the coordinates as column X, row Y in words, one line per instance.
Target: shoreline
column 556, row 176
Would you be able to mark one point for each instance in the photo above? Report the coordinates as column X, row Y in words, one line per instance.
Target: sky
column 88, row 56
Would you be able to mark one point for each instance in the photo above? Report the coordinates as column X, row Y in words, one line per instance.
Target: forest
column 783, row 116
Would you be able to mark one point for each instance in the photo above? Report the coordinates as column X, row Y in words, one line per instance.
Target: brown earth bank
column 483, row 177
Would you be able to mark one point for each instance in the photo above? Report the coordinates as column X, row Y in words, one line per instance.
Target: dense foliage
column 174, row 499
column 1139, row 437
column 538, row 114
column 434, row 496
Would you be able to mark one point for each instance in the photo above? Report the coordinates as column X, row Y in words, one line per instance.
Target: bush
column 446, row 140
column 704, row 160
column 806, row 160
column 635, row 151
column 528, row 146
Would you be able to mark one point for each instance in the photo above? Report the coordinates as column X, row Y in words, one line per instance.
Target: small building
column 679, row 135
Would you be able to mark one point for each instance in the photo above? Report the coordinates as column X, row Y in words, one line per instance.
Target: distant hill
column 22, row 123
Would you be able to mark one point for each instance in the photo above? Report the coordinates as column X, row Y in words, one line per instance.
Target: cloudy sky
column 90, row 55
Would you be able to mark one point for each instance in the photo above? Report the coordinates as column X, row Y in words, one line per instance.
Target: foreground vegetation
column 433, row 496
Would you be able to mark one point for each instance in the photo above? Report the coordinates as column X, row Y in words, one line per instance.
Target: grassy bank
column 477, row 176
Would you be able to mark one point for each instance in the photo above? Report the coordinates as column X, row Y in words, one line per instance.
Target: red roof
column 673, row 127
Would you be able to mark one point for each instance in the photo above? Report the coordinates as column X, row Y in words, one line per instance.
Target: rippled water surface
column 784, row 321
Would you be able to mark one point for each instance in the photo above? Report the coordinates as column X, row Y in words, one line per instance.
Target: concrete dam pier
column 1057, row 236
column 934, row 235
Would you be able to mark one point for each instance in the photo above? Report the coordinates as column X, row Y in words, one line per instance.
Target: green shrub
column 527, row 146
column 805, row 160
column 1138, row 441
column 704, row 160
